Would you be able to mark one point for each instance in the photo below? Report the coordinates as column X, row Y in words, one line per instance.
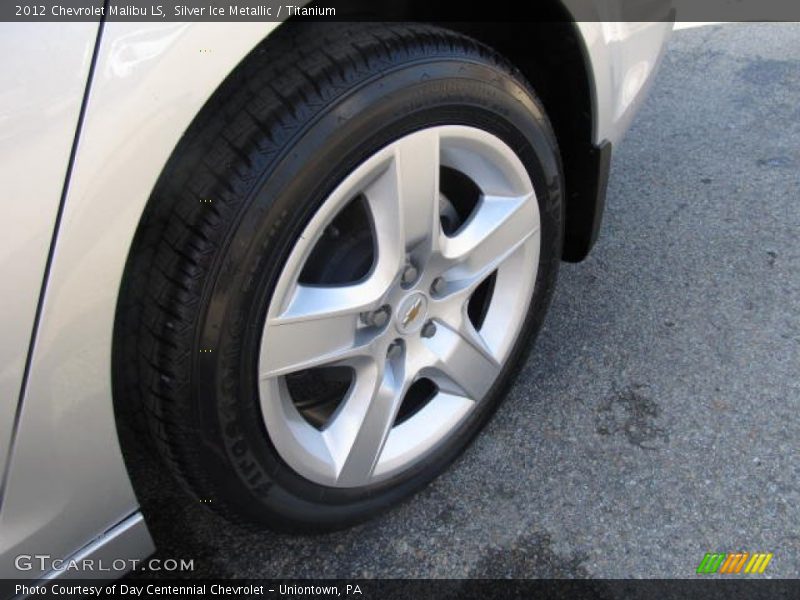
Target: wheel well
column 549, row 52
column 551, row 57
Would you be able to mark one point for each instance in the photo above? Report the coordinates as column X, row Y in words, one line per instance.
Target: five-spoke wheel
column 407, row 319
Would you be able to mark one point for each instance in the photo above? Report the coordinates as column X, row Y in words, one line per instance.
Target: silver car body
column 72, row 204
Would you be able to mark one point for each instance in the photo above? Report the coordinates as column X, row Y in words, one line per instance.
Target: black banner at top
column 224, row 11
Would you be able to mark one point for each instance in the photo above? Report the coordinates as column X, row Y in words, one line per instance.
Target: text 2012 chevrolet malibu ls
column 310, row 256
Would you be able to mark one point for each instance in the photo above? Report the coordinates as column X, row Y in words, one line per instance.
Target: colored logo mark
column 722, row 563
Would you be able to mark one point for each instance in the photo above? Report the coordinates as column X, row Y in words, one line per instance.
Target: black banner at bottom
column 389, row 589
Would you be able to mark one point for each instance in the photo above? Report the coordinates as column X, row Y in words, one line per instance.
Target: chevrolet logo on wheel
column 413, row 312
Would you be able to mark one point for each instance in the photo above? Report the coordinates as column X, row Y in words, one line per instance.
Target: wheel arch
column 553, row 57
column 550, row 54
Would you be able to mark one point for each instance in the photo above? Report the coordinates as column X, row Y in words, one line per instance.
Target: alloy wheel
column 398, row 306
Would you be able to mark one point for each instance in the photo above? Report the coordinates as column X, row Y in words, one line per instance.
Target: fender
column 150, row 80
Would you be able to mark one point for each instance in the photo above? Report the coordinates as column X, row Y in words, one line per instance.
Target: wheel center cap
column 412, row 313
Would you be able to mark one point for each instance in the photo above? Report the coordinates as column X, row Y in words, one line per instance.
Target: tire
column 303, row 111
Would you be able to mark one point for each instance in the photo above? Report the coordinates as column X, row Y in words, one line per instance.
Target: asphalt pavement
column 657, row 417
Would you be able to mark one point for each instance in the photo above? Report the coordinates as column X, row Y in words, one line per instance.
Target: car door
column 43, row 78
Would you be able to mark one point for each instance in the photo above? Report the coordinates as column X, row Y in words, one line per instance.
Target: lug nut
column 377, row 318
column 394, row 350
column 409, row 274
column 428, row 330
column 438, row 286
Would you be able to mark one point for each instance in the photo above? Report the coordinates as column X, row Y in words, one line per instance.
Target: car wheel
column 340, row 271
